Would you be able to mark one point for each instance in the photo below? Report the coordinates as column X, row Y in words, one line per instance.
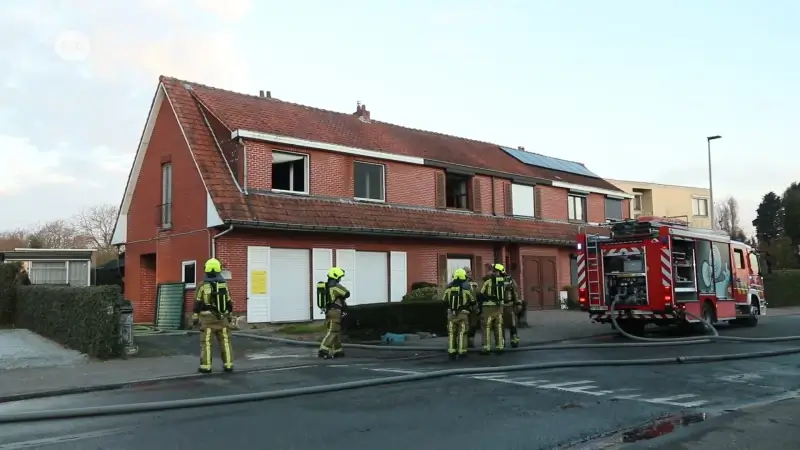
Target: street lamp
column 710, row 182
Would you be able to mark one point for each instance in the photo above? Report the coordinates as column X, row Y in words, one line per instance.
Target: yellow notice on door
column 258, row 282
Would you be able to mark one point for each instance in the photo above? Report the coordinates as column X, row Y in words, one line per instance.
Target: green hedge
column 82, row 318
column 420, row 310
column 782, row 288
column 8, row 292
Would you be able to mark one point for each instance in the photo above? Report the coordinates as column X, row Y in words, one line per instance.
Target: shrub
column 8, row 292
column 86, row 319
column 782, row 288
column 425, row 294
column 421, row 284
column 399, row 317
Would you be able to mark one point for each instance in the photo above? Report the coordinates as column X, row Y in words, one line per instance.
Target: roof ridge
column 315, row 108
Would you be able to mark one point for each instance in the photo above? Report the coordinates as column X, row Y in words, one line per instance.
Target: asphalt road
column 584, row 407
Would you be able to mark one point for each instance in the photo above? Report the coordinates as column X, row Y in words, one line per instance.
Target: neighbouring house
column 279, row 192
column 54, row 266
column 664, row 200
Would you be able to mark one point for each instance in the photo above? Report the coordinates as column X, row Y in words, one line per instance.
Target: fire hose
column 111, row 410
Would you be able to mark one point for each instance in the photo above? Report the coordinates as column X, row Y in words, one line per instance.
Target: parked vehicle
column 661, row 270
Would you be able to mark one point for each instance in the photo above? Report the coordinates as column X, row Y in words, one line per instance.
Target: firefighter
column 212, row 310
column 331, row 297
column 475, row 314
column 512, row 306
column 492, row 297
column 459, row 299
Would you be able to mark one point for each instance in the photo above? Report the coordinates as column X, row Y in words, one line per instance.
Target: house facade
column 55, row 266
column 652, row 199
column 279, row 192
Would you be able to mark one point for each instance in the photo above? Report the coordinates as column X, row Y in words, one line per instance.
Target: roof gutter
column 398, row 233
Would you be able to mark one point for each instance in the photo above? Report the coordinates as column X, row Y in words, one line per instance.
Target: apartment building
column 279, row 192
column 654, row 199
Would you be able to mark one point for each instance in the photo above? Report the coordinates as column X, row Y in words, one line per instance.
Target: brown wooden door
column 547, row 279
column 531, row 284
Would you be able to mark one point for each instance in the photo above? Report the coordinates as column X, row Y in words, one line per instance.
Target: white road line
column 586, row 387
column 38, row 443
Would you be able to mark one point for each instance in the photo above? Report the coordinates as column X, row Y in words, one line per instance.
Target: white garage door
column 372, row 283
column 290, row 298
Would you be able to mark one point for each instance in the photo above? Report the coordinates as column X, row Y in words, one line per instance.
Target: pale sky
column 630, row 88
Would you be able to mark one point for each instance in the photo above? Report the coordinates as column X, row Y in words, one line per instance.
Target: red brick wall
column 553, row 202
column 596, row 208
column 188, row 239
column 405, row 184
column 422, row 262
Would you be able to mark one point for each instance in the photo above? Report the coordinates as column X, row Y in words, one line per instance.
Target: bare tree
column 97, row 223
column 57, row 234
column 727, row 216
column 9, row 240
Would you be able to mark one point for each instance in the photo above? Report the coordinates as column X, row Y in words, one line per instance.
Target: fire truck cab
column 661, row 271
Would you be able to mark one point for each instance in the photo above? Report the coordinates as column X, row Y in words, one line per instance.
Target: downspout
column 214, row 241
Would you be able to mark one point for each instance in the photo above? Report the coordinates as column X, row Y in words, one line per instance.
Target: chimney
column 265, row 94
column 361, row 112
column 521, row 148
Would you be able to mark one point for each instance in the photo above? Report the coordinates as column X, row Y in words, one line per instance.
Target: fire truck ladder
column 593, row 270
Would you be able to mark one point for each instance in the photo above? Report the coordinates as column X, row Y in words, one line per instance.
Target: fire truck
column 662, row 271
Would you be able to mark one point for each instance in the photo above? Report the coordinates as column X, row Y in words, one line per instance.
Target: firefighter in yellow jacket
column 475, row 313
column 492, row 296
column 512, row 306
column 331, row 298
column 460, row 300
column 212, row 310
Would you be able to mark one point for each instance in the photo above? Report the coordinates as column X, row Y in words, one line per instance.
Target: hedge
column 782, row 288
column 86, row 319
column 8, row 292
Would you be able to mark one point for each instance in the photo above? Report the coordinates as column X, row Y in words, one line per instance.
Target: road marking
column 37, row 443
column 586, row 387
column 268, row 355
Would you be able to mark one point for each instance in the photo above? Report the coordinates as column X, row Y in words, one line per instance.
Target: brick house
column 291, row 190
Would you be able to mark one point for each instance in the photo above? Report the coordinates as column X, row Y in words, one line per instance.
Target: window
column 369, row 181
column 189, row 274
column 637, row 202
column 700, row 207
column 74, row 273
column 290, row 172
column 454, row 263
column 576, row 206
column 613, row 208
column 522, row 202
column 573, row 270
column 738, row 258
column 755, row 268
column 457, row 191
column 166, row 195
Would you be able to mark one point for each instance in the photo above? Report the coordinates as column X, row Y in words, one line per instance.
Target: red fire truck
column 658, row 269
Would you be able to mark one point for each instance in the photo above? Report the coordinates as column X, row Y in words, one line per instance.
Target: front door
column 539, row 280
column 741, row 275
column 531, row 282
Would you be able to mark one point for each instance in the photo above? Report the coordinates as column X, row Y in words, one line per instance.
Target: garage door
column 372, row 282
column 290, row 298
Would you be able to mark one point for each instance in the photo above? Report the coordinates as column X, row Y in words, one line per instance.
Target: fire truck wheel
column 708, row 315
column 752, row 318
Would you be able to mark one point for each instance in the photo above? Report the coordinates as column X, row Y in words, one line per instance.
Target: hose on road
column 75, row 413
column 125, row 409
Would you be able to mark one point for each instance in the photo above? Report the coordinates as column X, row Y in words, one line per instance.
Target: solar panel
column 547, row 162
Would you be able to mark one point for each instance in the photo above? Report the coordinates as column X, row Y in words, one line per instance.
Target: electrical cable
column 110, row 410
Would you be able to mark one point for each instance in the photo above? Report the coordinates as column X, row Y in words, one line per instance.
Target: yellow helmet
column 499, row 267
column 213, row 265
column 336, row 273
column 459, row 274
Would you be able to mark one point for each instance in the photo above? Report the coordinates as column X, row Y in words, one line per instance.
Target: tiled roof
column 272, row 116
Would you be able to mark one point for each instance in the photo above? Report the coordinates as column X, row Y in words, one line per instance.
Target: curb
column 126, row 384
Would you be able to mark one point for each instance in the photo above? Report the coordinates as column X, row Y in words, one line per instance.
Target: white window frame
column 183, row 274
column 696, row 206
column 307, row 167
column 383, row 182
column 584, row 206
column 520, row 194
column 166, row 195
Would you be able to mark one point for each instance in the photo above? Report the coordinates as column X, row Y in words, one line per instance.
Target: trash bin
column 126, row 326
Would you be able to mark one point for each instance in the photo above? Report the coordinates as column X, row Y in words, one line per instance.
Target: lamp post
column 710, row 182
